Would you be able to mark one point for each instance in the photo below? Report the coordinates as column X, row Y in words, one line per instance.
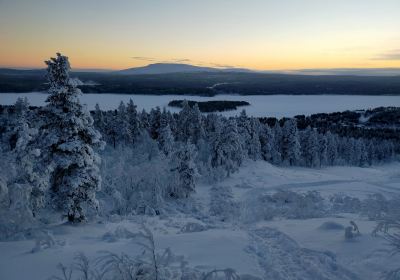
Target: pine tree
column 69, row 140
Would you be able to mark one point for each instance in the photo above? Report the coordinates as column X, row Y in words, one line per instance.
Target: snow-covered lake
column 261, row 105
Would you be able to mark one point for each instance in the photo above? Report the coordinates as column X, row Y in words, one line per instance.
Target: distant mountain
column 166, row 68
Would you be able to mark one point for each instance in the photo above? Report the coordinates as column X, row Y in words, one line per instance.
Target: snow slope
column 276, row 249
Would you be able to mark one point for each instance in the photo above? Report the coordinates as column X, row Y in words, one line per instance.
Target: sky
column 256, row 34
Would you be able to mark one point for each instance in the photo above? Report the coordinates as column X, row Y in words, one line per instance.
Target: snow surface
column 261, row 105
column 277, row 249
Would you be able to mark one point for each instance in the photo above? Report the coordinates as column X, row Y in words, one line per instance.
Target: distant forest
column 210, row 106
column 206, row 83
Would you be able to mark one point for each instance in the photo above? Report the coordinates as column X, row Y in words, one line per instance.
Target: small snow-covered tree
column 69, row 142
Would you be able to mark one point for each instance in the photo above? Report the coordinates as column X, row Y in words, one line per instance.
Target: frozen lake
column 261, row 105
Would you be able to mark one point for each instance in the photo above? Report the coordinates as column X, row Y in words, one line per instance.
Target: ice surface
column 261, row 105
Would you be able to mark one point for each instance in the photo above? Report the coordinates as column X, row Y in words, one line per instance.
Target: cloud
column 144, row 58
column 169, row 60
column 180, row 60
column 223, row 65
column 391, row 55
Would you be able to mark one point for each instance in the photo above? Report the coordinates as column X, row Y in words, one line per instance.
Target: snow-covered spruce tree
column 231, row 146
column 276, row 147
column 186, row 171
column 254, row 145
column 332, row 148
column 31, row 173
column 310, row 148
column 98, row 118
column 266, row 141
column 323, row 149
column 166, row 140
column 21, row 106
column 133, row 121
column 243, row 123
column 290, row 143
column 190, row 123
column 69, row 140
column 183, row 122
column 124, row 135
column 144, row 120
column 155, row 122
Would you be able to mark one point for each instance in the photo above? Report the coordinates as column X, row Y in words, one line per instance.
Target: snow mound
column 193, row 227
column 119, row 233
column 45, row 240
column 283, row 204
column 281, row 257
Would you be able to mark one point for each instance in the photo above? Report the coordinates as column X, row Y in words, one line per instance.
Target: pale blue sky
column 262, row 34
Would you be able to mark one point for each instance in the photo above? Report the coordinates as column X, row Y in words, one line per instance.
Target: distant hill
column 205, row 81
column 377, row 72
column 167, row 68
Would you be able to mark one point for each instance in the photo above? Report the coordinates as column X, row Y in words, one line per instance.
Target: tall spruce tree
column 69, row 141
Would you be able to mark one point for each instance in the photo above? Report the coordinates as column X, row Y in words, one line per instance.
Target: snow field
column 268, row 249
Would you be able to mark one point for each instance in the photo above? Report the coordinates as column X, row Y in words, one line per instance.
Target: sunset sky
column 257, row 34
